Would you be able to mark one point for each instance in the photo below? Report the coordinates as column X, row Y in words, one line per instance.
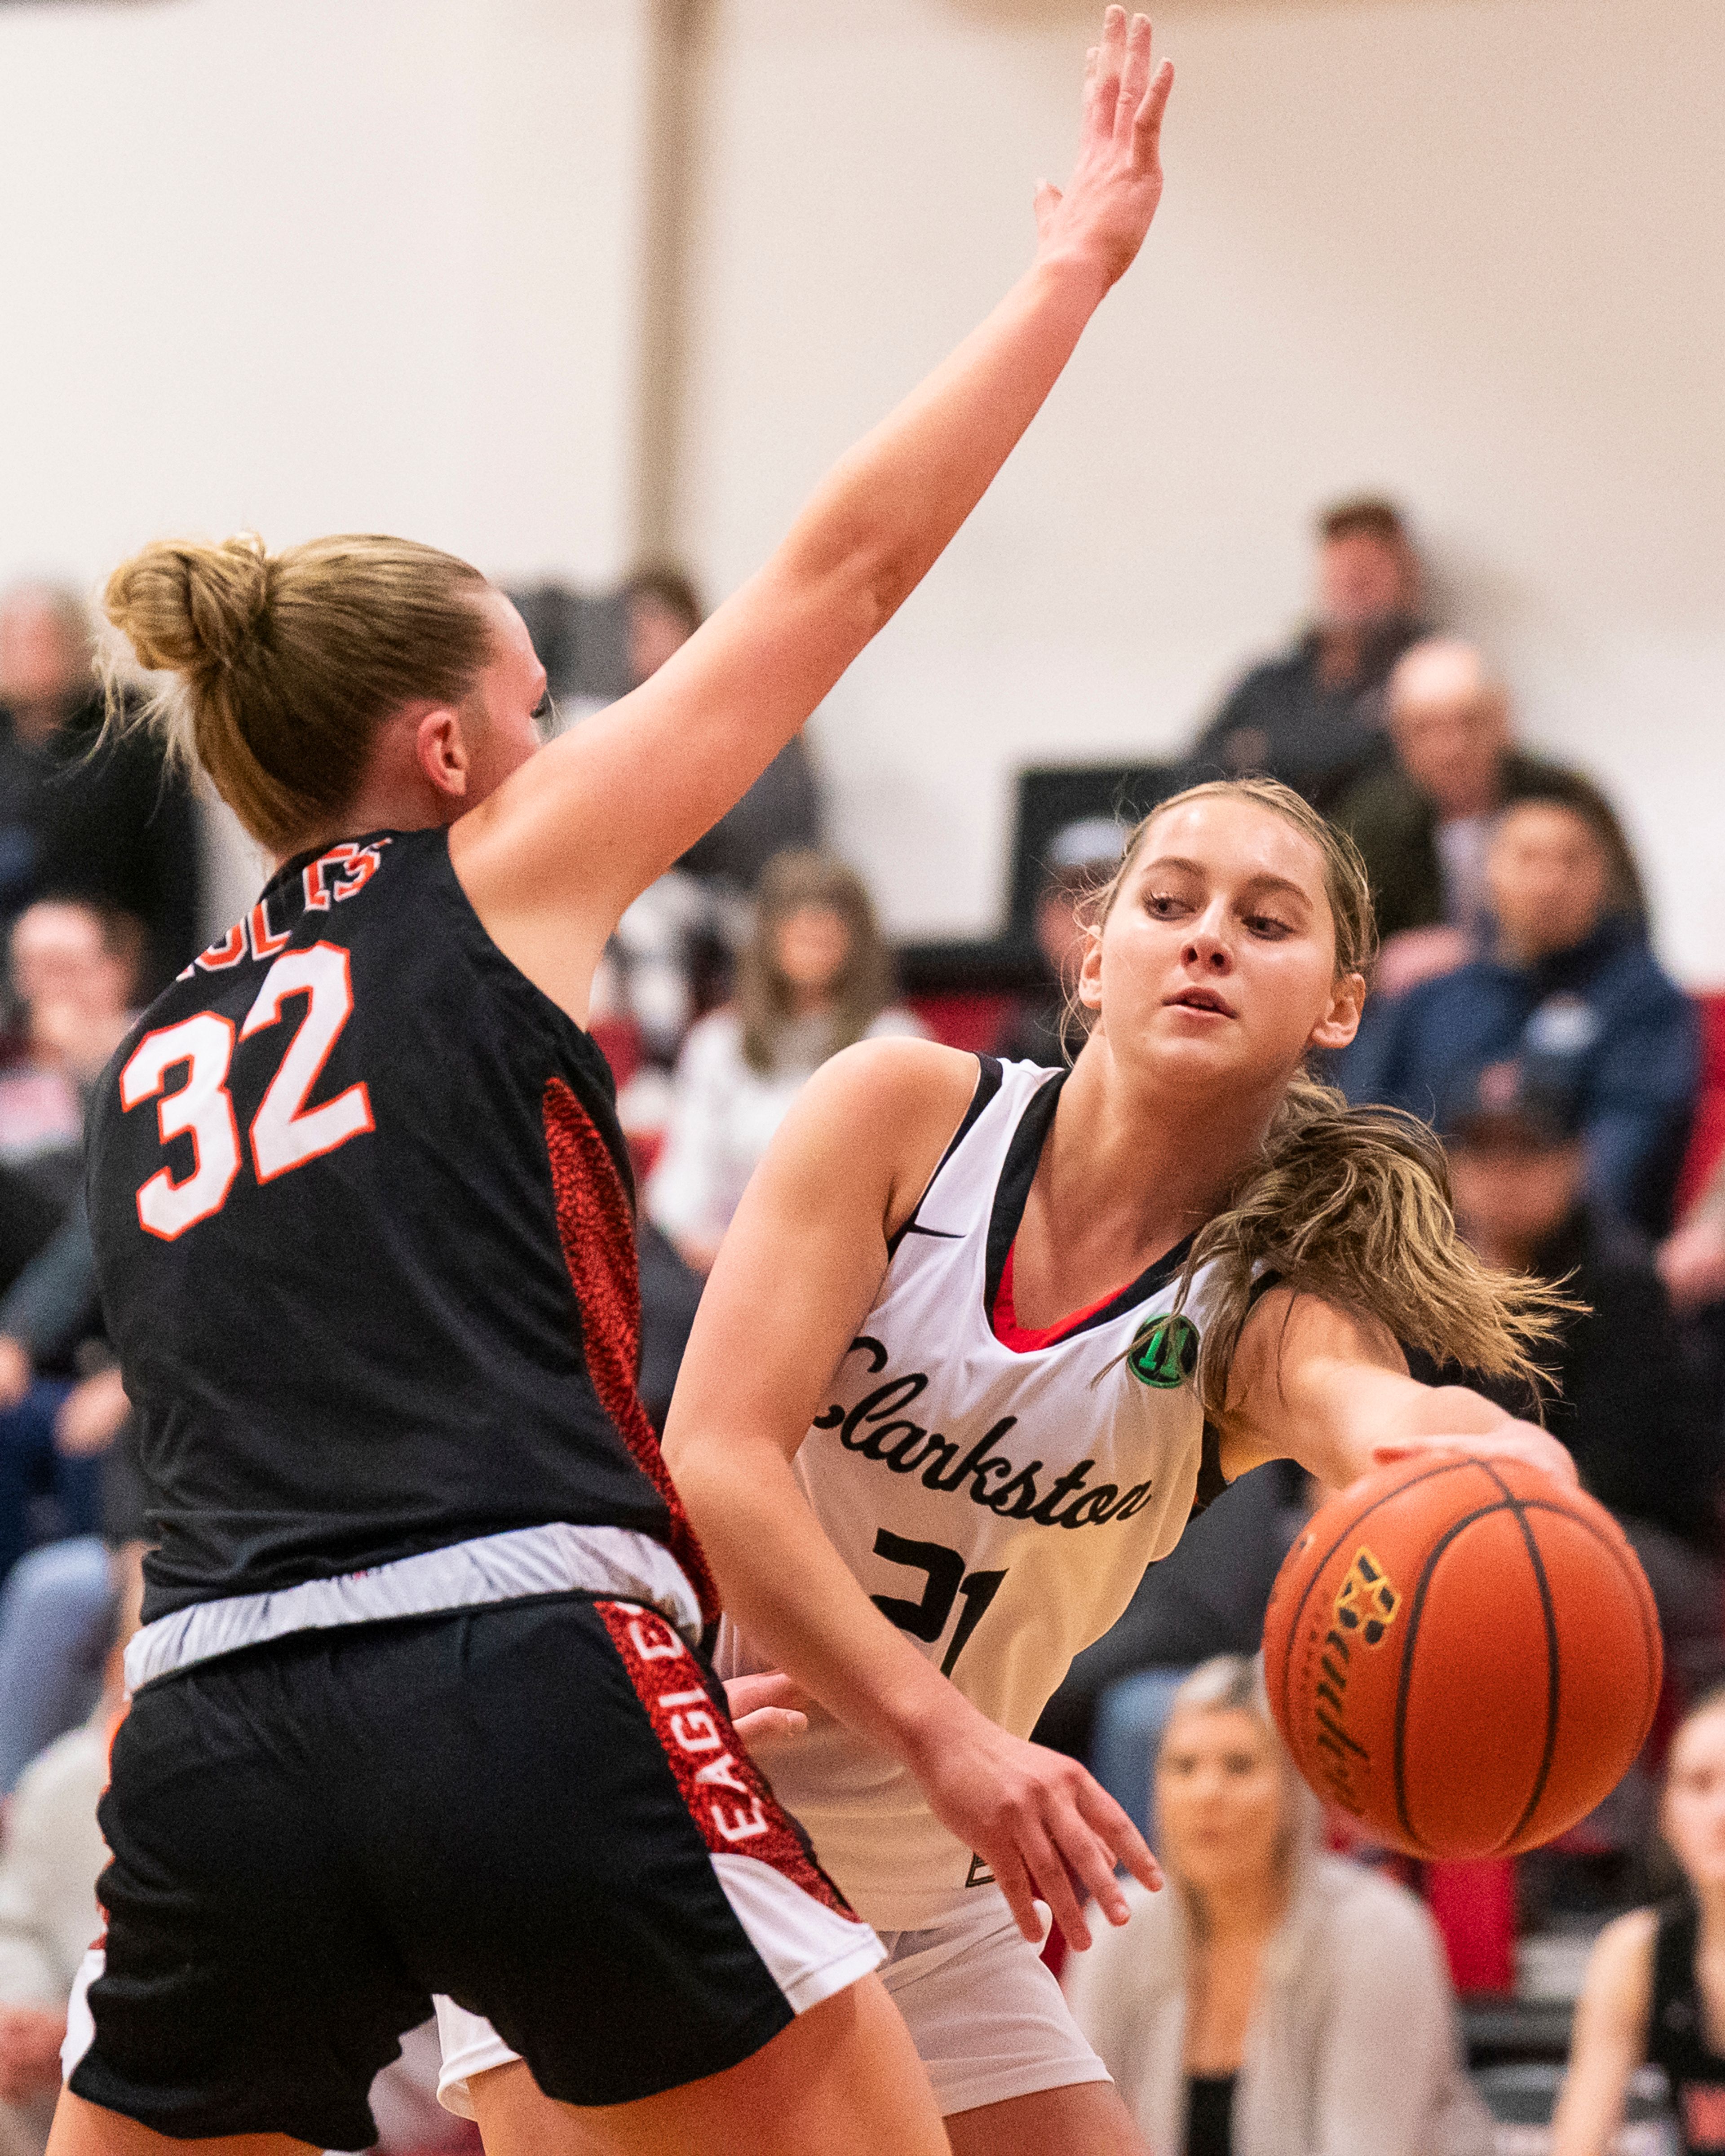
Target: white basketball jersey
column 999, row 1506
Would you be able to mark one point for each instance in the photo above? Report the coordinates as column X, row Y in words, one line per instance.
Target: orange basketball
column 1464, row 1654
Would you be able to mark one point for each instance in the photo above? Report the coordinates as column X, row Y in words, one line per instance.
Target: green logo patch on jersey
column 1164, row 1351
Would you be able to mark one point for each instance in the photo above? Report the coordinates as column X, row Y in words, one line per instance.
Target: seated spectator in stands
column 1244, row 2011
column 815, row 977
column 1624, row 1398
column 48, row 1913
column 1314, row 717
column 75, row 965
column 1570, row 986
column 1655, row 1990
column 1692, row 1259
column 104, row 822
column 1424, row 822
column 1081, row 861
column 75, row 979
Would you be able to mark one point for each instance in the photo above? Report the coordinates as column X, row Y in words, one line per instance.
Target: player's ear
column 1341, row 1021
column 440, row 749
column 1089, row 969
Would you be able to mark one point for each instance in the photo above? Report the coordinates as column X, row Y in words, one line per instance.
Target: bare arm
column 1609, row 2040
column 552, row 858
column 800, row 1267
column 1314, row 1384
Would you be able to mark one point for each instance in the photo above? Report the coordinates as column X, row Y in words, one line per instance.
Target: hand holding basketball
column 1117, row 184
column 1514, row 1440
column 1463, row 1652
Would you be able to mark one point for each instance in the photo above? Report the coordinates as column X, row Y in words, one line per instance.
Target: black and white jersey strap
column 988, row 1085
column 616, row 1563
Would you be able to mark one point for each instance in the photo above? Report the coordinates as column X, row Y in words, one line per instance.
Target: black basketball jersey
column 364, row 1230
column 1677, row 2036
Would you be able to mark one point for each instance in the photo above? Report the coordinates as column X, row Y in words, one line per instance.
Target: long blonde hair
column 1349, row 1205
column 803, row 876
column 287, row 664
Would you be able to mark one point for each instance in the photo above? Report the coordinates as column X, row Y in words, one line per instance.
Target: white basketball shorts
column 988, row 2018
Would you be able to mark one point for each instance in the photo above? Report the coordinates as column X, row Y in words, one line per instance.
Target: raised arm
column 800, row 1266
column 552, row 858
column 1314, row 1384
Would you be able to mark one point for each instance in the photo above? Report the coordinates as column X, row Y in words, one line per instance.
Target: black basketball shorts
column 538, row 1808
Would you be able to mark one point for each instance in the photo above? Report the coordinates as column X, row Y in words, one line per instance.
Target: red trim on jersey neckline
column 1004, row 1319
column 596, row 1227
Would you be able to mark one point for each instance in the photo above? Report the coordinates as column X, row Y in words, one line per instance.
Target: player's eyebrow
column 1261, row 880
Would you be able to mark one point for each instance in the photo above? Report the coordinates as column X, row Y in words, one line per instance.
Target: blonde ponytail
column 1353, row 1205
column 286, row 664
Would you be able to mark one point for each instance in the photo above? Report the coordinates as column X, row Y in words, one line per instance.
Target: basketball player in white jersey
column 979, row 1341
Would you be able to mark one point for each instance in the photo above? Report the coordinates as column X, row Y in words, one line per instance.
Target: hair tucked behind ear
column 288, row 663
column 1351, row 1204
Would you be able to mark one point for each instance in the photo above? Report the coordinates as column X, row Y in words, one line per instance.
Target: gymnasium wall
column 305, row 264
column 317, row 265
column 1464, row 249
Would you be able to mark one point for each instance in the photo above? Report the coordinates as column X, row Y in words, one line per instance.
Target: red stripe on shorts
column 729, row 1798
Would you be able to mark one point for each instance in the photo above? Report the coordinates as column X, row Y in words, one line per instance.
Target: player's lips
column 1201, row 999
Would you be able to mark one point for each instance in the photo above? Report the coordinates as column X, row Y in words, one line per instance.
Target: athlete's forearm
column 798, row 1602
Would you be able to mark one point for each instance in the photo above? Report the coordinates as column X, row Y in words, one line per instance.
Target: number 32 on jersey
column 284, row 1132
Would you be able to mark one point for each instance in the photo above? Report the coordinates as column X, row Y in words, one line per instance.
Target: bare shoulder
column 1619, row 1970
column 884, row 1107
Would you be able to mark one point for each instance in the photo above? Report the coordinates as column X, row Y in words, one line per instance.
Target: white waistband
column 552, row 1559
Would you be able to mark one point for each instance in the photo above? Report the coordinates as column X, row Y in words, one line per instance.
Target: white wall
column 300, row 265
column 307, row 265
column 1465, row 249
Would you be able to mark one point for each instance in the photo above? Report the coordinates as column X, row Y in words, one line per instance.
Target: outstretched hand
column 1117, row 184
column 1510, row 1440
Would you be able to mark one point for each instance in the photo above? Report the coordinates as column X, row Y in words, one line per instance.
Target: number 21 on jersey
column 284, row 1132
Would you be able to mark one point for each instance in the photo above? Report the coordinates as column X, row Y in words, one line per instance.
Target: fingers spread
column 1013, row 1882
column 1147, row 127
column 1121, row 1838
column 1111, row 64
column 1134, row 73
column 1048, row 1869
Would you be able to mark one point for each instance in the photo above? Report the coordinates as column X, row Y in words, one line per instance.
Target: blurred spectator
column 74, row 978
column 1655, row 1990
column 1244, row 2011
column 1570, row 986
column 1424, row 822
column 48, row 1913
column 103, row 822
column 1692, row 1259
column 1630, row 1414
column 75, row 964
column 1313, row 717
column 815, row 977
column 782, row 808
column 1082, row 859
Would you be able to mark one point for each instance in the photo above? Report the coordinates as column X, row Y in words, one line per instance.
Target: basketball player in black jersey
column 418, row 1706
column 1656, row 1980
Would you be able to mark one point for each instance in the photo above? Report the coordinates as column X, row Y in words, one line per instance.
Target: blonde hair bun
column 187, row 607
column 288, row 663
